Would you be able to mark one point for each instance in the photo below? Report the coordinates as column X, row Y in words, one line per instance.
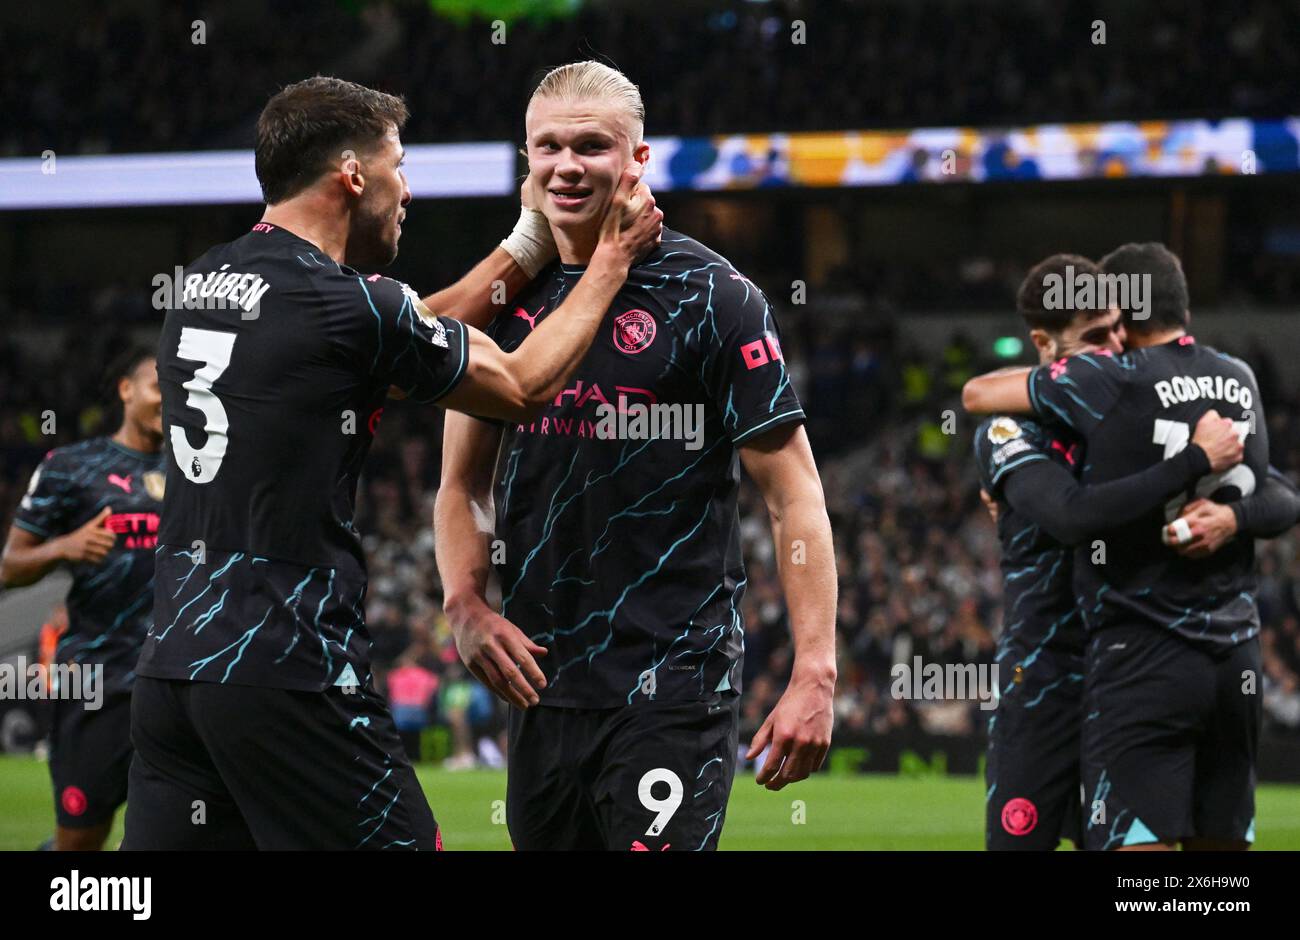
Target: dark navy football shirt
column 622, row 549
column 1132, row 411
column 110, row 604
column 274, row 370
column 1040, row 616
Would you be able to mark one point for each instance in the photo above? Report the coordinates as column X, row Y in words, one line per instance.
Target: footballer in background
column 619, row 636
column 94, row 507
column 1171, row 733
column 1028, row 470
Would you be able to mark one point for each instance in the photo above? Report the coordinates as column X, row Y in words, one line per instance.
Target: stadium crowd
column 147, row 76
column 917, row 555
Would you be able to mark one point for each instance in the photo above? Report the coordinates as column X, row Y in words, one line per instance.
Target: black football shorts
column 1170, row 736
column 243, row 767
column 90, row 755
column 1032, row 774
column 654, row 776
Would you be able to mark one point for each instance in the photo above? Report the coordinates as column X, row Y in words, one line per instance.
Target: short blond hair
column 590, row 80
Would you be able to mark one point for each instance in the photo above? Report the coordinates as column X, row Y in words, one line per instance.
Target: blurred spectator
column 411, row 688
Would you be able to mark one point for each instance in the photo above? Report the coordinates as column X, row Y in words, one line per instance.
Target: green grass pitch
column 836, row 812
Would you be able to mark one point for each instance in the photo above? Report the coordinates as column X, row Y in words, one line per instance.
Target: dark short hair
column 1030, row 298
column 123, row 366
column 1168, row 300
column 306, row 125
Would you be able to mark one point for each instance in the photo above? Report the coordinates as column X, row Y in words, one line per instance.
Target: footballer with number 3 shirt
column 254, row 694
column 1170, row 731
column 94, row 506
column 619, row 637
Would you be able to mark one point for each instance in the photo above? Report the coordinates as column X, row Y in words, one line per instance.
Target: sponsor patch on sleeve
column 1009, row 450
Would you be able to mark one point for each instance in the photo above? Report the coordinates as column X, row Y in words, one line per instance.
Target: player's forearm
column 461, row 547
column 1049, row 495
column 805, row 550
column 548, row 357
column 1005, row 391
column 21, row 566
column 1269, row 511
column 478, row 296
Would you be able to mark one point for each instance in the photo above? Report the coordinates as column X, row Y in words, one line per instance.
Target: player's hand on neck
column 631, row 225
column 576, row 241
column 640, row 208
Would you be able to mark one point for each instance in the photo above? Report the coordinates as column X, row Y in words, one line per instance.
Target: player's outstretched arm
column 798, row 730
column 1049, row 495
column 1003, row 392
column 492, row 648
column 478, row 296
column 517, row 385
column 28, row 557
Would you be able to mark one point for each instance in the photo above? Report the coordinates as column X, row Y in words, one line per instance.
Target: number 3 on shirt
column 1174, row 435
column 212, row 349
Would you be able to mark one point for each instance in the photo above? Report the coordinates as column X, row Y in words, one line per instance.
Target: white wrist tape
column 531, row 243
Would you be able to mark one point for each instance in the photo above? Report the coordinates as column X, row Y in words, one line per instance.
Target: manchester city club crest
column 634, row 331
column 155, row 484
